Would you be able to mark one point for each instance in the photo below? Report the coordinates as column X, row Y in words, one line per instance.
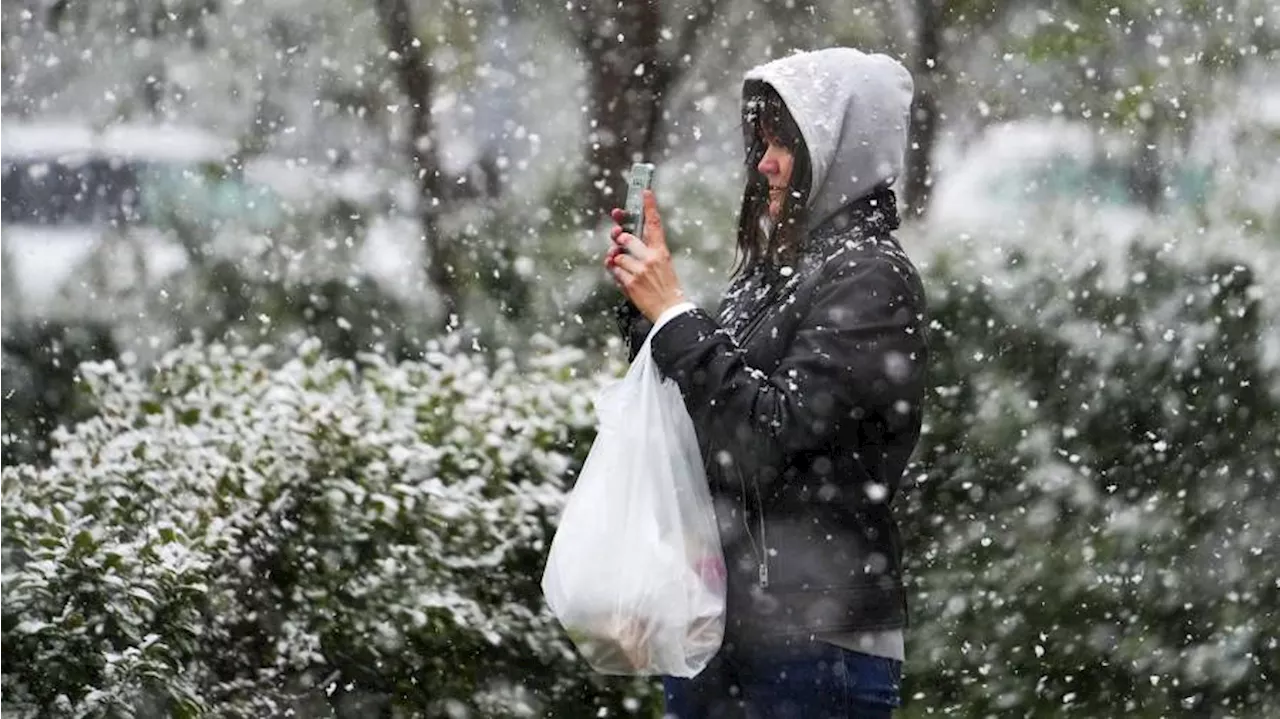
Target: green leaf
column 1055, row 42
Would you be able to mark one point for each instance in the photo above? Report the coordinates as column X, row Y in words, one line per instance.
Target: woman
column 805, row 389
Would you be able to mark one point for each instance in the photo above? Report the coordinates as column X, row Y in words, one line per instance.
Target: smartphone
column 641, row 180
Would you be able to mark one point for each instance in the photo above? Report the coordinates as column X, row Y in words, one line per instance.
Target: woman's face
column 775, row 166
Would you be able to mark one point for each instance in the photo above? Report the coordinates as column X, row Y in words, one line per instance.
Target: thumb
column 653, row 233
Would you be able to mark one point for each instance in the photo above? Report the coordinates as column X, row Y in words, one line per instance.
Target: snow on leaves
column 225, row 534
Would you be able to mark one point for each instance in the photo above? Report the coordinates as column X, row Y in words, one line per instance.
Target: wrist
column 659, row 310
column 667, row 305
column 671, row 312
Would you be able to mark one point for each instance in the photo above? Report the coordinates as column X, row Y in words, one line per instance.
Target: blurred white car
column 68, row 188
column 160, row 194
column 1014, row 169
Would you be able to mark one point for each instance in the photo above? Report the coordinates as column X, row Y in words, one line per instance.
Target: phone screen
column 641, row 180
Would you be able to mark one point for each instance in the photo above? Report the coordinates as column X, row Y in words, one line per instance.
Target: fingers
column 615, row 269
column 622, row 218
column 628, row 264
column 611, row 256
column 624, row 267
column 652, row 220
column 620, row 275
column 631, row 244
column 628, row 257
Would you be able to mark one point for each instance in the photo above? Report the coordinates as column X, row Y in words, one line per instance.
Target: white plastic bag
column 636, row 574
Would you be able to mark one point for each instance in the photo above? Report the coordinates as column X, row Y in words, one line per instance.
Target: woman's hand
column 643, row 269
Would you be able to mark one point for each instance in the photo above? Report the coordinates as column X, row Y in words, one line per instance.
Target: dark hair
column 765, row 115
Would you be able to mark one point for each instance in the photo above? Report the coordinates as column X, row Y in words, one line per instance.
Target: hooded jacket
column 806, row 387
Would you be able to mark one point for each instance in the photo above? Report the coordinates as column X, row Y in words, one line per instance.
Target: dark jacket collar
column 874, row 216
column 868, row 216
column 871, row 216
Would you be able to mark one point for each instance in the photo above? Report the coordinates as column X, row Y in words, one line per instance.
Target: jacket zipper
column 764, row 540
column 762, row 556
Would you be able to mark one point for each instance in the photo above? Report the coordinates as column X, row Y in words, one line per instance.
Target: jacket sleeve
column 859, row 353
column 633, row 326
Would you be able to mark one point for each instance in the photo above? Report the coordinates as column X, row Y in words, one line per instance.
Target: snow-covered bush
column 1093, row 519
column 229, row 537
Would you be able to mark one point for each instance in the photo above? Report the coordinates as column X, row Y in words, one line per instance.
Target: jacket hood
column 853, row 110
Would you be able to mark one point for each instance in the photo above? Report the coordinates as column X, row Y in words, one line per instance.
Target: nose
column 768, row 165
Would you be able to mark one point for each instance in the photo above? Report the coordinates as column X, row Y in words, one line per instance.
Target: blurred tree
column 928, row 70
column 930, row 33
column 634, row 56
column 410, row 61
column 1144, row 67
column 925, row 35
column 1150, row 69
column 1097, row 483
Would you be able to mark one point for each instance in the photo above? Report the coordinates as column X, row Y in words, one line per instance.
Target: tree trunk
column 1146, row 176
column 629, row 75
column 416, row 77
column 927, row 71
column 622, row 80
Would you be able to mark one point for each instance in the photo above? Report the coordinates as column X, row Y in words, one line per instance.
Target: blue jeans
column 808, row 680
